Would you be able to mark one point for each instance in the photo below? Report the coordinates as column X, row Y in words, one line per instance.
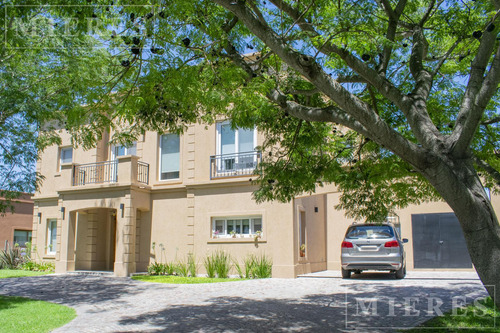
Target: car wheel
column 345, row 273
column 401, row 273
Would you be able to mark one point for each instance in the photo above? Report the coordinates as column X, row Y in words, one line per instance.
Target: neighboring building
column 102, row 209
column 15, row 226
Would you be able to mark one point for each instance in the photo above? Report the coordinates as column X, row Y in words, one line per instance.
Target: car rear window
column 369, row 231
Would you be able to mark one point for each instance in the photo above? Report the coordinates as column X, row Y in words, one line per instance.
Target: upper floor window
column 169, row 156
column 123, row 150
column 234, row 140
column 236, row 153
column 66, row 155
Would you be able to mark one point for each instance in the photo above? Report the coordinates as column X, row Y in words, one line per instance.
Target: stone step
column 93, row 273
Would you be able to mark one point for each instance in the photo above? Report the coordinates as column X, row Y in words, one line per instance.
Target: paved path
column 321, row 302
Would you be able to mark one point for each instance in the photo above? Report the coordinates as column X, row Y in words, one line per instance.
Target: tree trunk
column 461, row 188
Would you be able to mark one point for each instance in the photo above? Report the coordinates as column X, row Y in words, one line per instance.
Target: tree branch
column 491, row 121
column 494, row 173
column 384, row 86
column 380, row 131
column 394, row 16
column 471, row 109
column 327, row 114
column 445, row 57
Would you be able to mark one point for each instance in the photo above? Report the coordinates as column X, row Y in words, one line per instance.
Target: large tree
column 393, row 101
column 45, row 73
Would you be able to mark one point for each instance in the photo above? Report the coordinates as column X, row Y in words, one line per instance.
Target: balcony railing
column 107, row 172
column 95, row 173
column 143, row 172
column 231, row 165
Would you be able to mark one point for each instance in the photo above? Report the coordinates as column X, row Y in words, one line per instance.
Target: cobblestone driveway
column 314, row 304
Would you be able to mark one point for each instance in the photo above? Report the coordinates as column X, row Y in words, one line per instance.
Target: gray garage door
column 438, row 242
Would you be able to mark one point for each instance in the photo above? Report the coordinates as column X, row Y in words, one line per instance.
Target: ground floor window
column 51, row 236
column 21, row 237
column 246, row 226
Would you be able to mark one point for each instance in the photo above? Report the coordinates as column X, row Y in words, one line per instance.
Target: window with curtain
column 169, row 156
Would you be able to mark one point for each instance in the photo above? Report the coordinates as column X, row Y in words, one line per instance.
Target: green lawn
column 180, row 279
column 18, row 314
column 13, row 273
column 471, row 319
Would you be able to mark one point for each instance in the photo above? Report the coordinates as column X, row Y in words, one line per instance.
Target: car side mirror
column 405, row 240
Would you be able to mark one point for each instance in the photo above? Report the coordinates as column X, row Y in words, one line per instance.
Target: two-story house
column 104, row 208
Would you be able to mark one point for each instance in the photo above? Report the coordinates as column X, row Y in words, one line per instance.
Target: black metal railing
column 230, row 165
column 95, row 173
column 143, row 172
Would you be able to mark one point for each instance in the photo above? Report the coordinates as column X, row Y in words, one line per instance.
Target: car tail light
column 347, row 244
column 392, row 243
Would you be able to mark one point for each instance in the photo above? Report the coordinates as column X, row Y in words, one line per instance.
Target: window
column 235, row 147
column 66, row 155
column 21, row 237
column 234, row 141
column 117, row 151
column 51, row 236
column 232, row 226
column 169, row 156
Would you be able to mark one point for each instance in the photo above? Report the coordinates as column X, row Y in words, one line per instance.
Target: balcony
column 234, row 165
column 124, row 169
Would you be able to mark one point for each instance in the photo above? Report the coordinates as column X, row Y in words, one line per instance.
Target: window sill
column 49, row 256
column 57, row 174
column 235, row 241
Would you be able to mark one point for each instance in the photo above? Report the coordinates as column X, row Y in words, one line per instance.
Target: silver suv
column 373, row 247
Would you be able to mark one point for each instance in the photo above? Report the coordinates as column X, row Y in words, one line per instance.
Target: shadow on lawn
column 9, row 302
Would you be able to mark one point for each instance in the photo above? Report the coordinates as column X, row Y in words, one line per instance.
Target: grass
column 18, row 314
column 14, row 273
column 181, row 279
column 469, row 319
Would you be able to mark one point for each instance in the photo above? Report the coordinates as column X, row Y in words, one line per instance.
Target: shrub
column 182, row 269
column 262, row 267
column 209, row 263
column 38, row 267
column 222, row 262
column 193, row 269
column 249, row 262
column 157, row 268
column 238, row 268
column 11, row 258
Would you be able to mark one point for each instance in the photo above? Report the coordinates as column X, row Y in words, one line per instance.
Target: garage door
column 438, row 242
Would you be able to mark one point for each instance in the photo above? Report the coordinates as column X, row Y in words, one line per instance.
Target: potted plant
column 233, row 233
column 303, row 250
column 257, row 235
column 215, row 234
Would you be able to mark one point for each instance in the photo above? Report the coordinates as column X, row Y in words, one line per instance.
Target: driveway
column 320, row 302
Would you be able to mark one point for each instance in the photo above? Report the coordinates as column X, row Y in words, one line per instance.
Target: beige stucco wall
column 315, row 209
column 178, row 213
